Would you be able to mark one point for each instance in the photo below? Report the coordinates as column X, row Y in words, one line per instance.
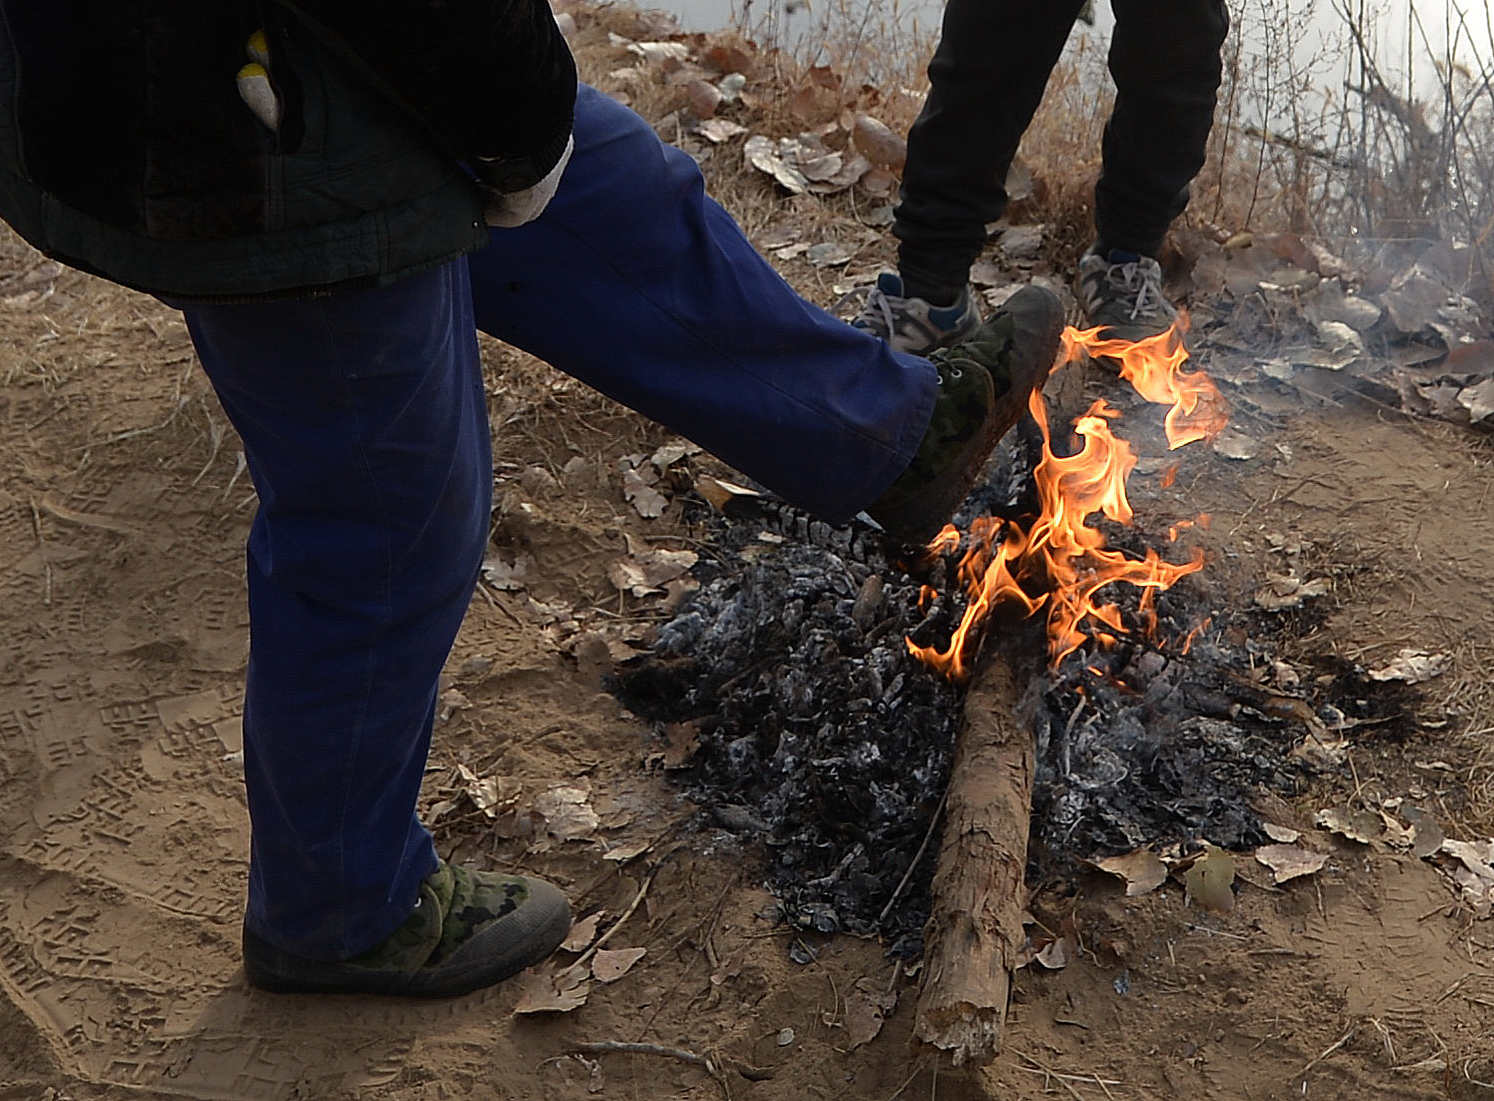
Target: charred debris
column 801, row 720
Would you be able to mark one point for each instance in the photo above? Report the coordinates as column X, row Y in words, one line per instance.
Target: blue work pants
column 364, row 425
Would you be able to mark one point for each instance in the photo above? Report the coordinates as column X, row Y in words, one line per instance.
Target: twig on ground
column 923, row 845
column 899, row 1091
column 87, row 519
column 713, row 1062
column 1064, row 1079
column 585, row 957
column 1059, row 1078
column 1329, row 1050
column 41, row 548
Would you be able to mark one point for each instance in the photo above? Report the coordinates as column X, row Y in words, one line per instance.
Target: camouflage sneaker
column 469, row 929
column 914, row 325
column 1122, row 293
column 985, row 384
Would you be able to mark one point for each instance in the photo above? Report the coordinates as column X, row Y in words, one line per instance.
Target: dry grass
column 885, row 45
column 1357, row 140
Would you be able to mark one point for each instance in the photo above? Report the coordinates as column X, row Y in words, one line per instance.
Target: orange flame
column 1060, row 563
column 1154, row 367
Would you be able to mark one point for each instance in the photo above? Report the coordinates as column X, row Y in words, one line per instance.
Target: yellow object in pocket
column 256, row 92
column 258, row 49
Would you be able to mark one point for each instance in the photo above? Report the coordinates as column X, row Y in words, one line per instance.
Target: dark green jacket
column 127, row 151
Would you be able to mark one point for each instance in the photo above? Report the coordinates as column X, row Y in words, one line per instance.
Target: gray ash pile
column 819, row 734
column 817, row 731
column 1137, row 748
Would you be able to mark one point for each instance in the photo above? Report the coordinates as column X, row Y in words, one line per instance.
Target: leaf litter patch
column 789, row 708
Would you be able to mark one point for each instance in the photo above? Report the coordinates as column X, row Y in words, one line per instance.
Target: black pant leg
column 1165, row 60
column 987, row 78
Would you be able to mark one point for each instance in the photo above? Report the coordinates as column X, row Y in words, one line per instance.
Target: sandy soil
column 123, row 832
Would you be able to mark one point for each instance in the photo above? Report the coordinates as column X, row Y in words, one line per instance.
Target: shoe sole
column 521, row 939
column 1037, row 321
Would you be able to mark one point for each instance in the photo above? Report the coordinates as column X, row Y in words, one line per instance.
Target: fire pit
column 820, row 682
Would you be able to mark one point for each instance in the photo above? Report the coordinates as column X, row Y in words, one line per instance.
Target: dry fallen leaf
column 727, row 59
column 730, row 967
column 829, row 254
column 762, row 153
column 491, row 794
column 544, row 990
column 722, row 494
column 1474, row 872
column 638, row 491
column 864, row 1016
column 1209, row 880
column 878, row 181
column 821, row 168
column 1478, row 856
column 650, row 571
column 718, row 130
column 1283, row 592
column 1290, row 861
column 658, row 52
column 1478, row 399
column 879, row 143
column 1283, row 834
column 1426, row 833
column 611, row 964
column 506, row 576
column 1395, row 834
column 452, row 701
column 595, row 1083
column 1143, row 870
column 1056, row 954
column 812, row 102
column 582, row 933
column 681, row 740
column 1359, row 825
column 666, row 455
column 567, row 812
column 1412, row 666
column 621, row 854
column 704, row 97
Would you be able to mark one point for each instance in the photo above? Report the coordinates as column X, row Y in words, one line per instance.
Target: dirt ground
column 123, row 831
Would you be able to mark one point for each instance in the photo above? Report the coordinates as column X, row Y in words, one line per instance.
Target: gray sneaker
column 1122, row 293
column 913, row 325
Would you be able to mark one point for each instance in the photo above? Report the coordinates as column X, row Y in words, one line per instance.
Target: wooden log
column 974, row 932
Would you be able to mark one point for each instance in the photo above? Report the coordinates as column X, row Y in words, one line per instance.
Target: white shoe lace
column 879, row 306
column 1141, row 286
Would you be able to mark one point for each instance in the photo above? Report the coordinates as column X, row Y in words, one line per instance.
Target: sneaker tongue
column 415, row 942
column 1123, row 256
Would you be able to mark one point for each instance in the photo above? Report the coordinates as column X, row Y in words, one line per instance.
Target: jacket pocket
column 354, row 153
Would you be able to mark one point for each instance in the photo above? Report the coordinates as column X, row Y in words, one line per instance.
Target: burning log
column 974, row 932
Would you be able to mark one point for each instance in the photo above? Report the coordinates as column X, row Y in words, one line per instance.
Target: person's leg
column 1165, row 59
column 637, row 283
column 986, row 78
column 365, row 430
